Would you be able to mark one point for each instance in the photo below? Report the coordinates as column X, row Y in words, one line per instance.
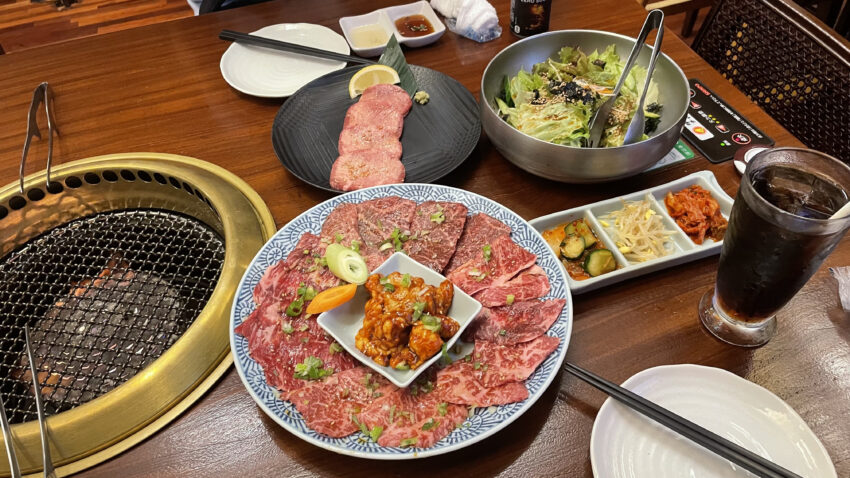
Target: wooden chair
column 690, row 8
column 787, row 61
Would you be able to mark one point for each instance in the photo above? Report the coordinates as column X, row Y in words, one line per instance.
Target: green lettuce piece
column 559, row 123
column 523, row 86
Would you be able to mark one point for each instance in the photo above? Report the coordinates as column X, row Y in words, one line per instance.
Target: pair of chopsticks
column 711, row 441
column 248, row 39
column 49, row 472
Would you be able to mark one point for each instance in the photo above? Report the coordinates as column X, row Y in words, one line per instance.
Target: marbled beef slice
column 479, row 230
column 516, row 323
column 435, row 230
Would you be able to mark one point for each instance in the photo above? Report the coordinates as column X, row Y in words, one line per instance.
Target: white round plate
column 485, row 421
column 270, row 73
column 626, row 444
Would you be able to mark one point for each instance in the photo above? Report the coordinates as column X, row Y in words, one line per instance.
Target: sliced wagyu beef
column 435, row 230
column 328, row 405
column 496, row 365
column 412, row 417
column 479, row 230
column 516, row 323
column 377, row 220
column 341, row 226
column 457, row 384
column 495, row 264
column 529, row 284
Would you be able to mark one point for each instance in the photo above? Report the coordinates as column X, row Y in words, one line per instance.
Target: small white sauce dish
column 385, row 18
column 343, row 322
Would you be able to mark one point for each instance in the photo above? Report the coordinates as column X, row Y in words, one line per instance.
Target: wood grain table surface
column 159, row 88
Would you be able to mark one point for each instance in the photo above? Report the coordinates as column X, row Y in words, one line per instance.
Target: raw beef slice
column 437, row 226
column 501, row 364
column 513, row 324
column 529, row 284
column 415, row 418
column 377, row 218
column 328, row 405
column 479, row 230
column 363, row 169
column 457, row 384
column 390, row 93
column 341, row 223
column 368, row 137
column 506, row 259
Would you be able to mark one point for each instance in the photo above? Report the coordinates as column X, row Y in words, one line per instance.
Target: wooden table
column 158, row 88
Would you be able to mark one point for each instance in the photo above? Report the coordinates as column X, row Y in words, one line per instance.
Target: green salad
column 557, row 99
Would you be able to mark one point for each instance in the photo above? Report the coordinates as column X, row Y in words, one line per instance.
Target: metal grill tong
column 7, row 431
column 42, row 94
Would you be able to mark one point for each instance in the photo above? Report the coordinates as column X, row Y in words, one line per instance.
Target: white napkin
column 474, row 19
column 842, row 275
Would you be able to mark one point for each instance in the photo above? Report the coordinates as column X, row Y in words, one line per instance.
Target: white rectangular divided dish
column 682, row 248
column 344, row 321
column 385, row 18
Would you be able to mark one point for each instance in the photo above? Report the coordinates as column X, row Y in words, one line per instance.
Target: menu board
column 715, row 128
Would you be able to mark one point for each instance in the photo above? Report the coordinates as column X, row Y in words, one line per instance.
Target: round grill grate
column 104, row 296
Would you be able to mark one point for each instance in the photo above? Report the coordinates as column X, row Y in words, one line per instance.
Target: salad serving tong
column 654, row 20
column 49, row 472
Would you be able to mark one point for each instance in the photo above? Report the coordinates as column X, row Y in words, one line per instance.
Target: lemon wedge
column 370, row 76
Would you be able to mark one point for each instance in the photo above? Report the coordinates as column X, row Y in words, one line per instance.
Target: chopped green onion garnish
column 295, row 307
column 431, row 423
column 375, row 433
column 355, row 246
column 476, row 365
column 487, row 253
column 418, row 307
column 432, row 323
column 503, row 332
column 509, row 299
column 303, row 328
column 438, row 217
column 405, row 280
column 287, row 328
column 442, row 409
column 444, row 355
column 402, row 366
column 338, row 237
column 312, row 369
column 384, row 281
column 335, row 348
column 408, row 442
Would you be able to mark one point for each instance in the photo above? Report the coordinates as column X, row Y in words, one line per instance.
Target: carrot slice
column 331, row 298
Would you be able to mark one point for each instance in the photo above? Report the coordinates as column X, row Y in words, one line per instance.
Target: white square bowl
column 343, row 322
column 419, row 8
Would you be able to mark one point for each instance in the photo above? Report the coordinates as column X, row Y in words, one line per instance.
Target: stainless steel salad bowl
column 568, row 163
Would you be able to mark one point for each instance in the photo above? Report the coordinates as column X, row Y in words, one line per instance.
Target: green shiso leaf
column 394, row 58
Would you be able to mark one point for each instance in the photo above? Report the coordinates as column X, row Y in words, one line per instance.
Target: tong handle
column 49, row 472
column 42, row 94
column 597, row 122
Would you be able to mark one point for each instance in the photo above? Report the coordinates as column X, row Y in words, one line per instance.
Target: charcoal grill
column 124, row 267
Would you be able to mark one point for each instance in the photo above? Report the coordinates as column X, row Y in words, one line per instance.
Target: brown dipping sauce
column 414, row 26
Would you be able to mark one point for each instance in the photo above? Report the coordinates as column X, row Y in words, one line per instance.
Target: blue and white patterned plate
column 485, row 421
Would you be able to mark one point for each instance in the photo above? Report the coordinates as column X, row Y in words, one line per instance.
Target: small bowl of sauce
column 414, row 26
column 369, row 36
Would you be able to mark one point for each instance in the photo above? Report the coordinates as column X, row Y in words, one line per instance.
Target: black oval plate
column 437, row 136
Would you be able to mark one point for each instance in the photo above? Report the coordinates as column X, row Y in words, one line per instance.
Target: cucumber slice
column 600, row 261
column 570, row 229
column 584, row 230
column 572, row 247
column 346, row 264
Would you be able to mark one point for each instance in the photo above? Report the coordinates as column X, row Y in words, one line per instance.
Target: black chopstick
column 711, row 441
column 255, row 40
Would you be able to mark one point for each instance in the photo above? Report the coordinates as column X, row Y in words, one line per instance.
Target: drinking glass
column 779, row 233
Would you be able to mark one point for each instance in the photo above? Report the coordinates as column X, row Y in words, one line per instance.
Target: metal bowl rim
column 518, row 44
